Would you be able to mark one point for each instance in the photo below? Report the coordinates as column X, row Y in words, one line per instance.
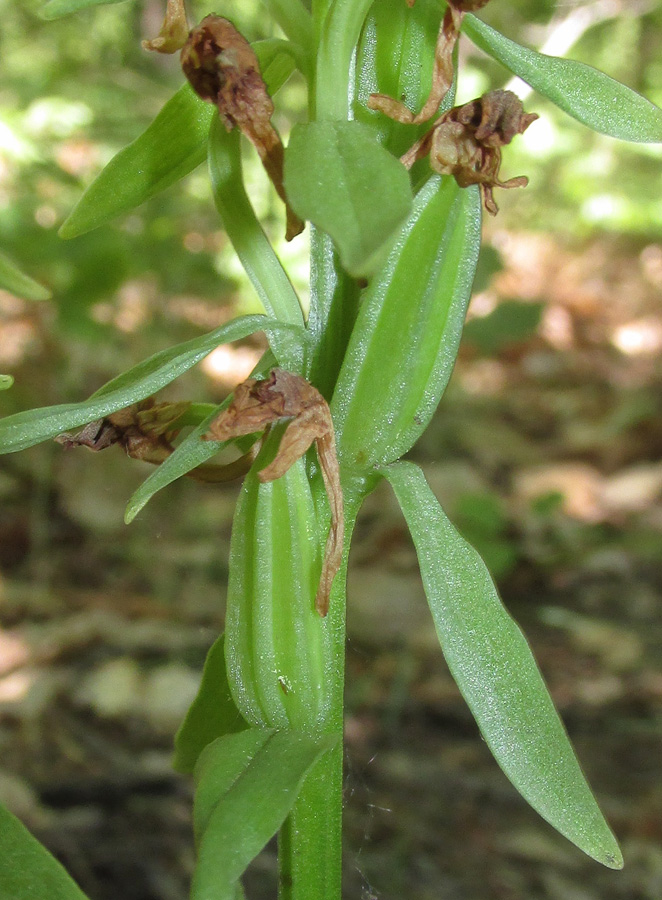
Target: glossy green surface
column 405, row 340
column 585, row 93
column 277, row 643
column 27, row 870
column 494, row 668
column 340, row 179
column 246, row 785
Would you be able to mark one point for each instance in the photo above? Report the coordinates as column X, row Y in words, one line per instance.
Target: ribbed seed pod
column 406, row 336
column 275, row 639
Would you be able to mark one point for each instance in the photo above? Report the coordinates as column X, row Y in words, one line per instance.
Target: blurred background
column 546, row 452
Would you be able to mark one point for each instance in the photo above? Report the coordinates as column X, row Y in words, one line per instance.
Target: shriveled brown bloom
column 282, row 395
column 466, row 142
column 174, row 31
column 144, row 430
column 222, row 68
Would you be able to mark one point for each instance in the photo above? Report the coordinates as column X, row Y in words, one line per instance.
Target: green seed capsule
column 395, row 57
column 276, row 642
column 406, row 336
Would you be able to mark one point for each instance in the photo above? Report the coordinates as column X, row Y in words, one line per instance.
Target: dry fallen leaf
column 283, row 395
column 223, row 69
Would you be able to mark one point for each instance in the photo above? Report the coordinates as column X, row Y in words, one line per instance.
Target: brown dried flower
column 282, row 395
column 144, row 430
column 466, row 142
column 222, row 68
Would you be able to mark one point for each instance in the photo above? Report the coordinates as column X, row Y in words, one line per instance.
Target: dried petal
column 283, row 395
column 466, row 142
column 174, row 31
column 223, row 69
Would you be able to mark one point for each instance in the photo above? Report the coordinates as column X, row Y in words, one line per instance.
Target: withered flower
column 222, row 68
column 282, row 395
column 144, row 430
column 174, row 31
column 466, row 142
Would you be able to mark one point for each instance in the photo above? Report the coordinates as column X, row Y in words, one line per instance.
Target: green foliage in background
column 392, row 263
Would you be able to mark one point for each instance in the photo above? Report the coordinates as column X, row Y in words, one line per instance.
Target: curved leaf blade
column 33, row 426
column 15, row 281
column 495, row 670
column 28, row 870
column 257, row 256
column 588, row 95
column 246, row 786
column 402, row 350
column 344, row 182
column 172, row 146
column 212, row 714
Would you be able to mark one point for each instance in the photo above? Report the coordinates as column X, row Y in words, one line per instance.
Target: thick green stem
column 310, row 842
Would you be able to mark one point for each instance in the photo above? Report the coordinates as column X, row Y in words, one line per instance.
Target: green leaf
column 28, row 871
column 27, row 428
column 18, row 283
column 586, row 94
column 407, row 333
column 344, row 182
column 251, row 244
column 211, row 715
column 6, row 382
column 171, row 147
column 57, row 8
column 246, row 786
column 494, row 668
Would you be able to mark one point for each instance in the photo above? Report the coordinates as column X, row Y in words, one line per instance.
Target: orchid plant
column 392, row 177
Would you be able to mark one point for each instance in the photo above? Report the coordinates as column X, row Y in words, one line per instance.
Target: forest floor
column 547, row 453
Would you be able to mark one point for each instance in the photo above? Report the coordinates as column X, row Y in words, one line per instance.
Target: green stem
column 293, row 18
column 251, row 244
column 310, row 841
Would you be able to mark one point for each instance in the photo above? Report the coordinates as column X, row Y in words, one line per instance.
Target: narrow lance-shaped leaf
column 494, row 668
column 27, row 428
column 15, row 281
column 251, row 244
column 212, row 714
column 405, row 340
column 27, row 870
column 345, row 183
column 172, row 146
column 55, row 9
column 585, row 93
column 246, row 786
